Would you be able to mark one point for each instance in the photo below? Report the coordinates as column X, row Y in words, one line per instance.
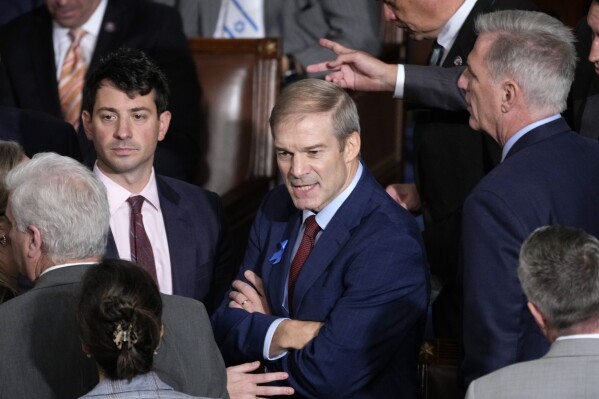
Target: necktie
column 302, row 253
column 141, row 249
column 436, row 54
column 71, row 79
column 241, row 19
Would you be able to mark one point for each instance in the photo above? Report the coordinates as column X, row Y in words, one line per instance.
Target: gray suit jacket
column 41, row 354
column 353, row 23
column 569, row 370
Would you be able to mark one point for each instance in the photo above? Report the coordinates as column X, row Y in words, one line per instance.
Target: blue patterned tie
column 141, row 249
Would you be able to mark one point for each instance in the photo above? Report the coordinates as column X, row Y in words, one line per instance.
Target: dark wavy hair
column 132, row 72
column 120, row 297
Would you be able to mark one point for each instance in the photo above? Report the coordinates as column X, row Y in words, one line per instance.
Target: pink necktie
column 141, row 249
column 71, row 79
column 302, row 253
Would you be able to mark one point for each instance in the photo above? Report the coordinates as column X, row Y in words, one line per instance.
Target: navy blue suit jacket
column 28, row 72
column 38, row 132
column 365, row 279
column 550, row 176
column 198, row 241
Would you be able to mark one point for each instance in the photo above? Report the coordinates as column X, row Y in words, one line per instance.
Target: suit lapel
column 333, row 238
column 111, row 249
column 41, row 49
column 180, row 238
column 111, row 32
column 277, row 273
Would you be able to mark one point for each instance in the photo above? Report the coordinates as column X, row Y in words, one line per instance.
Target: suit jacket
column 450, row 157
column 568, row 370
column 198, row 240
column 28, row 71
column 38, row 132
column 299, row 22
column 548, row 177
column 42, row 356
column 584, row 94
column 365, row 279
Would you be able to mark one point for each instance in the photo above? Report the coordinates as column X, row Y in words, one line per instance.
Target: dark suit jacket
column 569, row 370
column 548, row 177
column 584, row 87
column 198, row 241
column 365, row 279
column 38, row 132
column 450, row 158
column 28, row 71
column 42, row 356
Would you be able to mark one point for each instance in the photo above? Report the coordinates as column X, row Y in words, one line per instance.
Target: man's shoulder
column 186, row 191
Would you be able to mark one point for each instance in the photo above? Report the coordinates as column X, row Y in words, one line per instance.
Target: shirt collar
column 512, row 140
column 117, row 194
column 577, row 336
column 326, row 214
column 450, row 31
column 91, row 26
column 55, row 267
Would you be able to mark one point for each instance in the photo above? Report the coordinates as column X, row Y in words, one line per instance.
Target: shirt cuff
column 400, row 81
column 268, row 340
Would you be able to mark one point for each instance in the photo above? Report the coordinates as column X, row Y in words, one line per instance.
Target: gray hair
column 535, row 50
column 309, row 96
column 63, row 199
column 559, row 273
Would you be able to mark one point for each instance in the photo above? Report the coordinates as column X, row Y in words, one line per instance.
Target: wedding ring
column 244, row 301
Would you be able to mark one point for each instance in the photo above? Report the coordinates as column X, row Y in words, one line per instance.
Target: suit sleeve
column 434, row 87
column 355, row 25
column 381, row 309
column 494, row 304
column 239, row 334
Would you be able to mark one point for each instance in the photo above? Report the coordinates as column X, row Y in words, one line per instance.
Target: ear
column 352, row 147
column 164, row 121
column 87, row 125
column 34, row 246
column 540, row 320
column 161, row 330
column 510, row 95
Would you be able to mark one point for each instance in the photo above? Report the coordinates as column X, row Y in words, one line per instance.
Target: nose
column 463, row 80
column 388, row 13
column 594, row 53
column 123, row 130
column 299, row 166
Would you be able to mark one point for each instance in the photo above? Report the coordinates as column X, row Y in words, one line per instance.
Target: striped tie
column 71, row 79
column 141, row 249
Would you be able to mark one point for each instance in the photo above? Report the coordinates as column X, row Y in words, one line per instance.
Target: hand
column 293, row 334
column 242, row 384
column 251, row 299
column 405, row 195
column 356, row 70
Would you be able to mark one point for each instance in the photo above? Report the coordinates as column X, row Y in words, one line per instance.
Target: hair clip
column 126, row 335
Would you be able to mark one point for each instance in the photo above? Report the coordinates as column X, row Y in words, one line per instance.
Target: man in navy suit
column 350, row 323
column 34, row 45
column 125, row 115
column 516, row 84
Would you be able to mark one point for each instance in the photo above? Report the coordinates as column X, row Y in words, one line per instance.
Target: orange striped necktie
column 72, row 76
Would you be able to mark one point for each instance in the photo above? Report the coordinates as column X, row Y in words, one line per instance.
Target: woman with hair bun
column 120, row 326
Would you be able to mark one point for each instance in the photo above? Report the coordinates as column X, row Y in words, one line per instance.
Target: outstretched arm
column 356, row 70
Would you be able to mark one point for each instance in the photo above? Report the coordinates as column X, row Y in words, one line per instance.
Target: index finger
column 334, row 46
